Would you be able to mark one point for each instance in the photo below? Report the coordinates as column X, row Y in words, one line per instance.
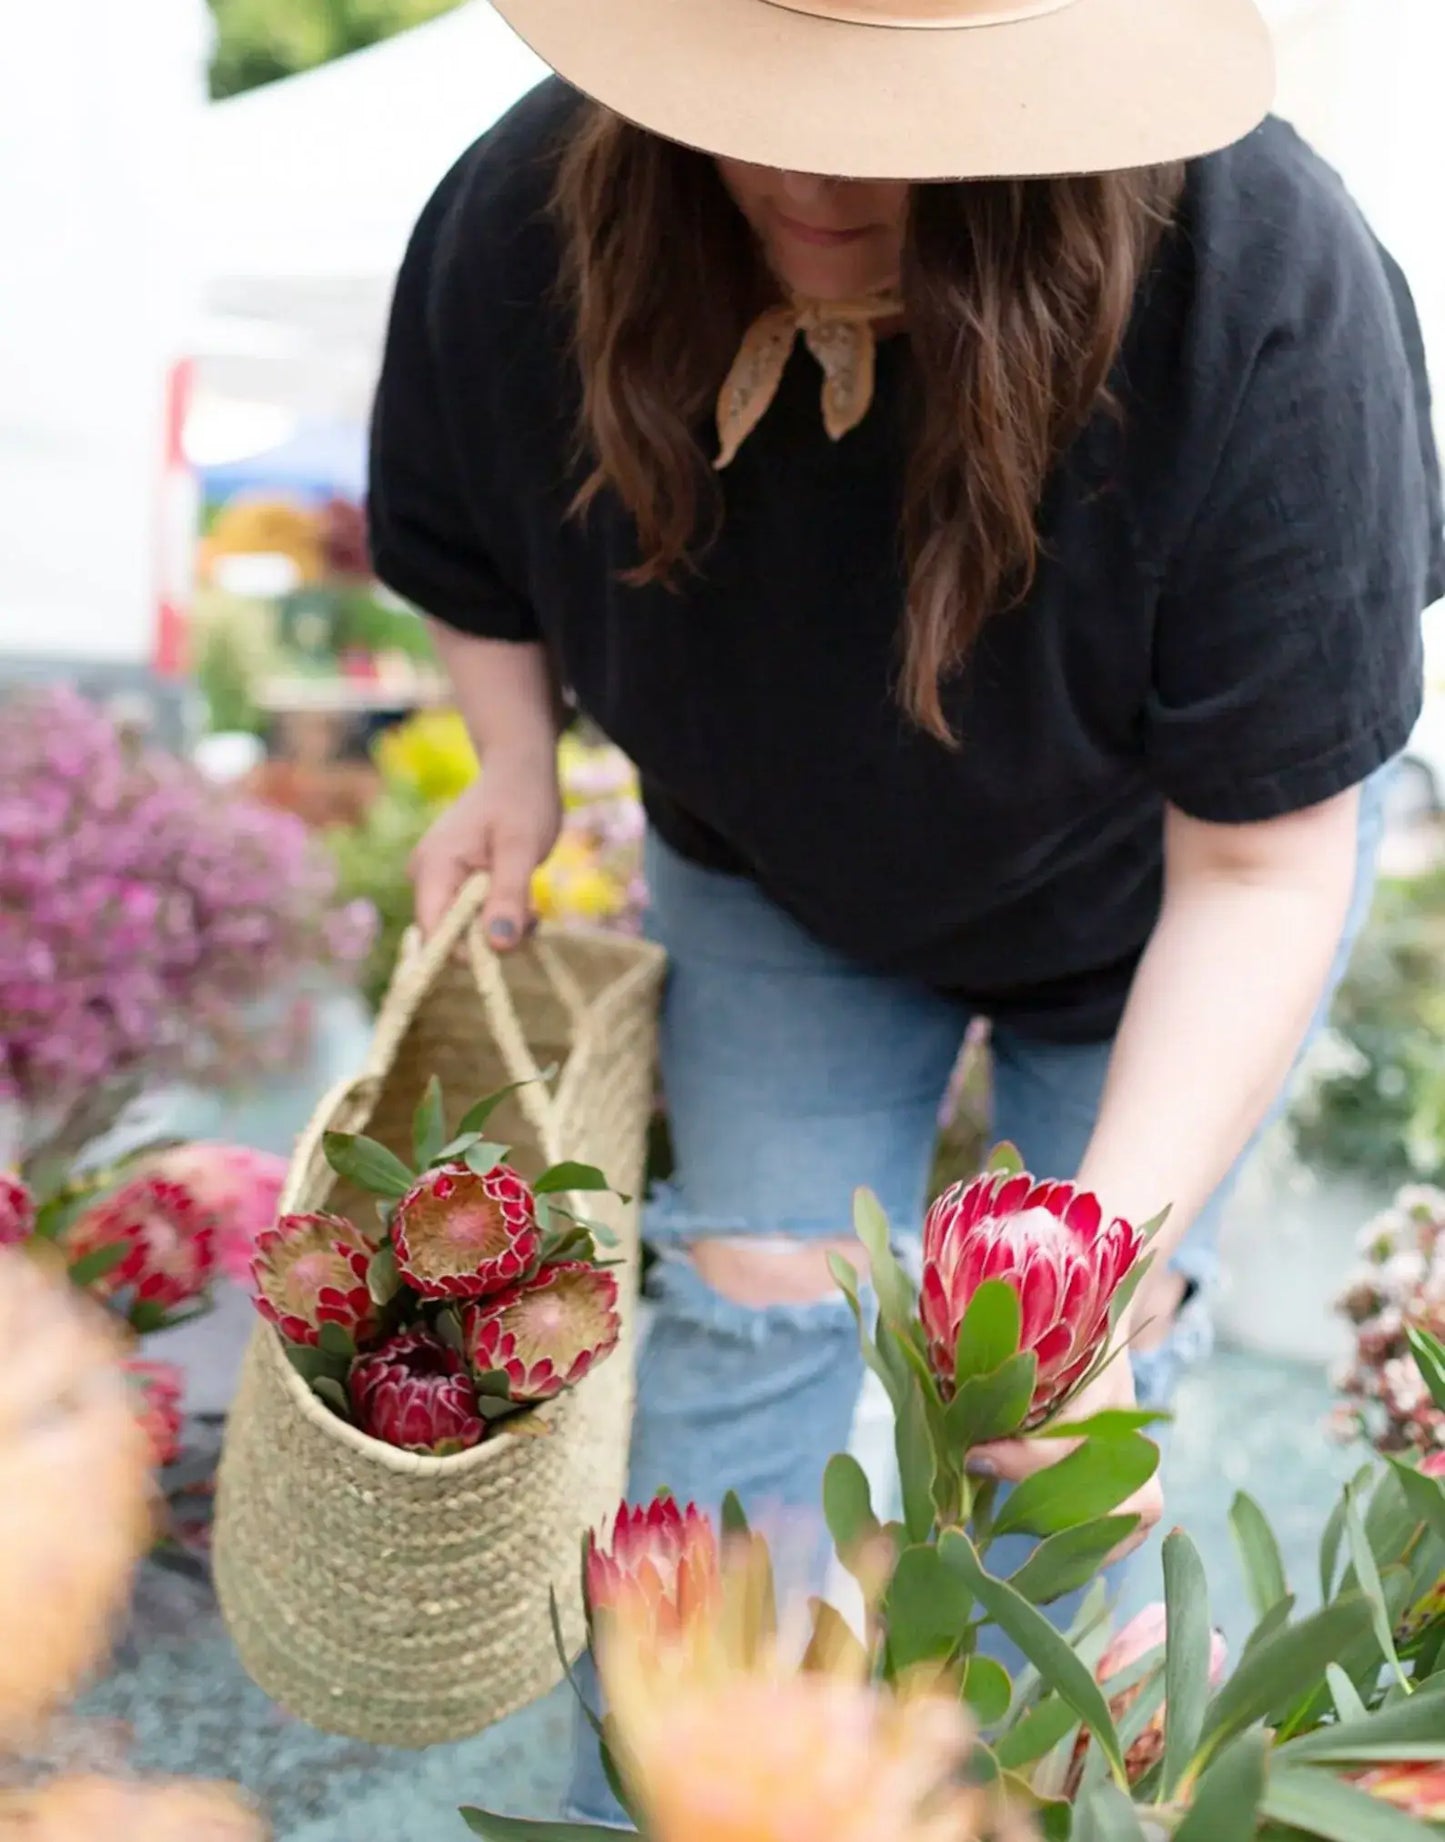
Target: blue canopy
column 322, row 460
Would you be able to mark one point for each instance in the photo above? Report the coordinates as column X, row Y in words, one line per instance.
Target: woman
column 1044, row 673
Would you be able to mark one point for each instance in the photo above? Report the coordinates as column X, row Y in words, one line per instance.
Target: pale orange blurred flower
column 720, row 1739
column 99, row 1810
column 76, row 1514
column 75, row 1492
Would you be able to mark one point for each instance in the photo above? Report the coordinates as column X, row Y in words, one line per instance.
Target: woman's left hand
column 1012, row 1460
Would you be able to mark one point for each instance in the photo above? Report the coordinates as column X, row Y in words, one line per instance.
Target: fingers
column 1148, row 1506
column 507, row 915
column 438, row 877
column 1013, row 1460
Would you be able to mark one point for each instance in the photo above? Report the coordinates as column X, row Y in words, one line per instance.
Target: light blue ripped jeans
column 792, row 1078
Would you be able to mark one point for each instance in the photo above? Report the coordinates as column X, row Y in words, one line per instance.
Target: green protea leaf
column 367, row 1164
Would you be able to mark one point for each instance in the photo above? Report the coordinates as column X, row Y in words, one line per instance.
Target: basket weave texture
column 400, row 1599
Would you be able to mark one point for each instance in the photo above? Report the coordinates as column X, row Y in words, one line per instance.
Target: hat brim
column 1095, row 86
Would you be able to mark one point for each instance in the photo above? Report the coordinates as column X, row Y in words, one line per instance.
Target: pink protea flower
column 241, row 1188
column 160, row 1389
column 17, row 1211
column 1145, row 1632
column 545, row 1336
column 1434, row 1466
column 458, row 1235
column 312, row 1270
column 1149, row 1630
column 662, row 1554
column 168, row 1238
column 415, row 1393
column 1051, row 1243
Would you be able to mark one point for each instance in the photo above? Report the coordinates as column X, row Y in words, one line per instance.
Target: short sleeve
column 425, row 523
column 1287, row 656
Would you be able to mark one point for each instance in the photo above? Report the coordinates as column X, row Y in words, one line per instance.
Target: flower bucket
column 404, row 1600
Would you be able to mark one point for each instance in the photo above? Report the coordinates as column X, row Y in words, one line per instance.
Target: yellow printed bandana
column 839, row 334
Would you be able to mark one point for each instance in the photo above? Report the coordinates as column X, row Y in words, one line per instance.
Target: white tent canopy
column 310, row 189
column 311, row 185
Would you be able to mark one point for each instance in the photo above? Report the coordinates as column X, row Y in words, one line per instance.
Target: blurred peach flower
column 720, row 1739
column 100, row 1810
column 75, row 1503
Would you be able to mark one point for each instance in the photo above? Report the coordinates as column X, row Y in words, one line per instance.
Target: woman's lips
column 818, row 236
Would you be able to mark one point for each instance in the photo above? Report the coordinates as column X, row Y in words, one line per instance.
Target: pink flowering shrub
column 143, row 914
column 1398, row 1287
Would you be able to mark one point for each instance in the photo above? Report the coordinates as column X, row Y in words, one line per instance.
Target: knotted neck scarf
column 841, row 335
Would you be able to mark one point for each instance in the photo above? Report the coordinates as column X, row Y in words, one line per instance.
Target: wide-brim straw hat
column 919, row 89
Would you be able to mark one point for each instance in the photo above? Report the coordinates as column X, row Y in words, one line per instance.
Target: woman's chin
column 828, row 275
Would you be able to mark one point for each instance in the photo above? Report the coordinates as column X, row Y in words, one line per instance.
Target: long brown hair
column 1018, row 293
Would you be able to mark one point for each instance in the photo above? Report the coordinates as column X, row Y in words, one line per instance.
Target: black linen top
column 1226, row 617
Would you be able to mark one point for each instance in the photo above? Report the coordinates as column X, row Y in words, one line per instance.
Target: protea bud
column 458, row 1235
column 17, row 1211
column 665, row 1556
column 311, row 1270
column 546, row 1335
column 416, row 1393
column 159, row 1389
column 239, row 1187
column 1051, row 1244
column 167, row 1243
column 1147, row 1631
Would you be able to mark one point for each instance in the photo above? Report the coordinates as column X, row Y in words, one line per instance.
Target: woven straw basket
column 400, row 1599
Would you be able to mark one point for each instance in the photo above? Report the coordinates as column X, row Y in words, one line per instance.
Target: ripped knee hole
column 774, row 1272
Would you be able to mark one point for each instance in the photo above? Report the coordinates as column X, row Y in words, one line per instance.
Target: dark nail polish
column 504, row 932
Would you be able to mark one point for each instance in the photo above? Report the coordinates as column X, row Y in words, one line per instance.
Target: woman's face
column 825, row 239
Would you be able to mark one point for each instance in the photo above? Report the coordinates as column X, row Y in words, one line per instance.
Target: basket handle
column 343, row 1109
column 420, row 963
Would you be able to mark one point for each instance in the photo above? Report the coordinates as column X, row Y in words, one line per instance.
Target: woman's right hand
column 505, row 824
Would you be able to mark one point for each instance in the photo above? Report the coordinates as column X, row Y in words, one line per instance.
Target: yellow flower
column 591, row 771
column 720, row 1740
column 573, row 886
column 265, row 527
column 430, row 755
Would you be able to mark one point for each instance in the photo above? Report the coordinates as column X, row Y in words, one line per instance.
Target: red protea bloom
column 168, row 1240
column 662, row 1555
column 416, row 1393
column 240, row 1187
column 546, row 1335
column 1418, row 1788
column 458, row 1235
column 160, row 1389
column 17, row 1211
column 1051, row 1243
column 1434, row 1466
column 311, row 1270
